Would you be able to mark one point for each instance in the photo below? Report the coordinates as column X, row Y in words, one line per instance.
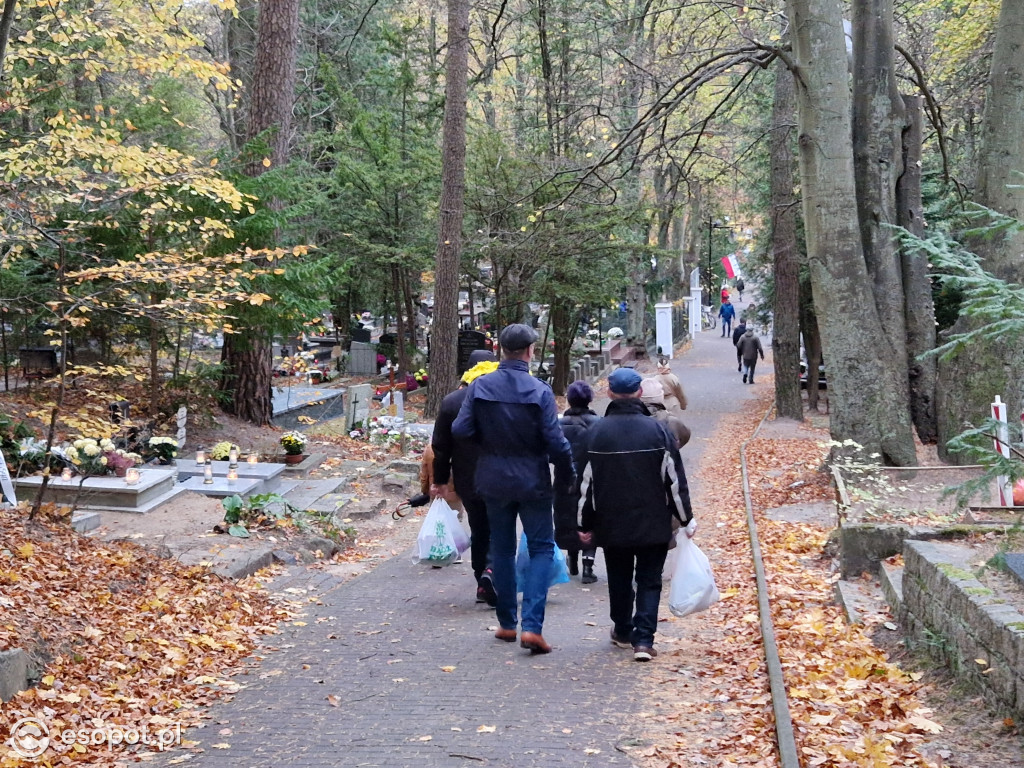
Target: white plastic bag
column 693, row 585
column 441, row 538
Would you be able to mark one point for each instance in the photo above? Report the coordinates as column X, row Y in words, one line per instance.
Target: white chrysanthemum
column 92, row 450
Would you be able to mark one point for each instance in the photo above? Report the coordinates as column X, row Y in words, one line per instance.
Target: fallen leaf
column 487, row 729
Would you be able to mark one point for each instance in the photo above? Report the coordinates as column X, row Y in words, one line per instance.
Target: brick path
column 381, row 642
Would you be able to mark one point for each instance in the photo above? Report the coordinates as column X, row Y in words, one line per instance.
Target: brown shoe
column 535, row 643
column 508, row 635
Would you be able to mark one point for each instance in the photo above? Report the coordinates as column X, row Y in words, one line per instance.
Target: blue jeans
column 644, row 565
column 539, row 527
column 726, row 326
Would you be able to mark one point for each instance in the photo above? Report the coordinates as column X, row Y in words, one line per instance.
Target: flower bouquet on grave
column 222, row 451
column 164, row 449
column 294, row 443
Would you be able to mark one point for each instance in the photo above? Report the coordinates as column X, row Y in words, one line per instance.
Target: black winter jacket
column 453, row 459
column 574, row 422
column 633, row 479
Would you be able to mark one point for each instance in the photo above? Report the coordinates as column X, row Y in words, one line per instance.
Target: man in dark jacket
column 632, row 520
column 512, row 419
column 737, row 332
column 455, row 461
column 748, row 348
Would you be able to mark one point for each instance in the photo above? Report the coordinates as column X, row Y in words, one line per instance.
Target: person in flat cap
column 452, row 472
column 512, row 419
column 632, row 520
column 575, row 422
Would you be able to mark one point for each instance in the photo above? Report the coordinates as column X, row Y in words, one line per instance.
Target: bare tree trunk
column 443, row 374
column 6, row 20
column 878, row 123
column 562, row 323
column 401, row 348
column 864, row 390
column 919, row 308
column 786, row 309
column 812, row 343
column 249, row 355
column 969, row 381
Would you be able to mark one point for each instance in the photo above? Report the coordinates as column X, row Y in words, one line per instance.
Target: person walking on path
column 737, row 332
column 453, row 472
column 513, row 420
column 632, row 520
column 654, row 398
column 747, row 349
column 675, row 397
column 740, row 285
column 575, row 422
column 727, row 312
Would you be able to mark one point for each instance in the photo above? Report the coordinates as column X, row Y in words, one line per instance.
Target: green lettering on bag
column 440, row 551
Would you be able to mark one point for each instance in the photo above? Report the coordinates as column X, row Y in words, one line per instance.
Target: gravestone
column 357, row 405
column 362, row 335
column 181, row 418
column 362, row 359
column 6, row 486
column 469, row 342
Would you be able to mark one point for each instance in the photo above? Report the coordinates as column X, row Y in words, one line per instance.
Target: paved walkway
column 418, row 680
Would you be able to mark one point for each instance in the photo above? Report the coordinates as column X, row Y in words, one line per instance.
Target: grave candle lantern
column 131, row 476
column 200, row 456
column 208, row 474
column 253, row 458
column 65, row 474
column 233, row 457
column 232, row 476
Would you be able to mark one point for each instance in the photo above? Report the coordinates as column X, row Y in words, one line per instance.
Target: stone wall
column 957, row 620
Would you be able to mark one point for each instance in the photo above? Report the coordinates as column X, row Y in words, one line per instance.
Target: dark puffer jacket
column 574, row 422
column 633, row 479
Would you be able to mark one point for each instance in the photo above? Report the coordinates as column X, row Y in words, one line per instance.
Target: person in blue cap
column 513, row 419
column 632, row 519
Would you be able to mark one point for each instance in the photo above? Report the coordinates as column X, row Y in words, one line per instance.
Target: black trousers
column 643, row 565
column 480, row 535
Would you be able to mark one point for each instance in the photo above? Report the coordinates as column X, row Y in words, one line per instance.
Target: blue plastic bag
column 559, row 566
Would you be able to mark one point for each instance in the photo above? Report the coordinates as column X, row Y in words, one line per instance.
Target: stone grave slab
column 155, row 486
column 357, row 406
column 1015, row 565
column 268, row 473
column 221, row 487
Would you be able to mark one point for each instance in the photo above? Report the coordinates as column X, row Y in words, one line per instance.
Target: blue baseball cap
column 624, row 381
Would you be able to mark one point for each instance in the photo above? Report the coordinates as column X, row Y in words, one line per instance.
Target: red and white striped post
column 1002, row 446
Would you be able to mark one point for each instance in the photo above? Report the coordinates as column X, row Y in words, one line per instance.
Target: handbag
column 441, row 539
column 559, row 565
column 693, row 585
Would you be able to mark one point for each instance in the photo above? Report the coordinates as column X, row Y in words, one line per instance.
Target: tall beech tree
column 970, row 379
column 785, row 256
column 867, row 381
column 248, row 354
column 444, row 335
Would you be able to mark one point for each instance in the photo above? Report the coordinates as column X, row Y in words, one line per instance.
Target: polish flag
column 731, row 265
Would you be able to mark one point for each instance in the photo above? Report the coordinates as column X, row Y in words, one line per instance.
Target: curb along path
column 399, row 667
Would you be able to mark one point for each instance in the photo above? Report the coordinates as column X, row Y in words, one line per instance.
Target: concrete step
column 891, row 578
column 307, row 492
column 857, row 599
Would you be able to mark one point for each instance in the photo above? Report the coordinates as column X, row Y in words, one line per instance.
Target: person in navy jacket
column 513, row 419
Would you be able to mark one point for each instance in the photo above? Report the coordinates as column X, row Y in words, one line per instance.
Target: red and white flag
column 731, row 265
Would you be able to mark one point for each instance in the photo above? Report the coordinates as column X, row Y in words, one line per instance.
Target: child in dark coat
column 574, row 423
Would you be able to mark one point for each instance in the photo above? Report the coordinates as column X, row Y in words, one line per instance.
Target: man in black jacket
column 632, row 520
column 455, row 462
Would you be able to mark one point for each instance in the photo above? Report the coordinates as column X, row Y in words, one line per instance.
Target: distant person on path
column 513, row 420
column 737, row 332
column 674, row 396
column 654, row 398
column 575, row 422
column 740, row 285
column 453, row 471
column 727, row 312
column 748, row 348
column 632, row 518
column 725, row 293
